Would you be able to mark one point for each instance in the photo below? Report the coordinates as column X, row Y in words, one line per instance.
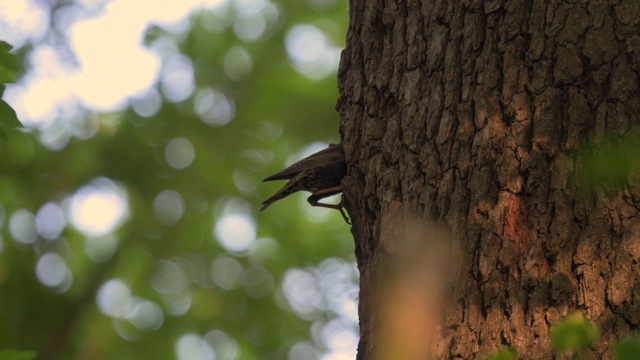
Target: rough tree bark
column 464, row 116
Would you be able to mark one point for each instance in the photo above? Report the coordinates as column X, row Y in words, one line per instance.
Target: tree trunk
column 462, row 123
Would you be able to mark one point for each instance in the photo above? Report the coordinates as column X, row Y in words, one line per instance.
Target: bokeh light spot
column 146, row 314
column 226, row 272
column 169, row 279
column 237, row 63
column 126, row 330
column 341, row 336
column 235, row 232
column 84, row 74
column 214, row 107
column 310, row 52
column 98, row 208
column 147, row 104
column 16, row 28
column 249, row 7
column 55, row 136
column 303, row 293
column 178, row 304
column 304, row 350
column 217, row 20
column 100, row 249
column 193, row 347
column 114, row 298
column 180, row 153
column 50, row 221
column 338, row 280
column 251, row 28
column 52, row 269
column 106, row 80
column 22, row 227
column 177, row 78
column 226, row 347
column 265, row 249
column 169, row 206
column 245, row 181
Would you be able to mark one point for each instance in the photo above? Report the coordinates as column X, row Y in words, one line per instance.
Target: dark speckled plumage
column 320, row 173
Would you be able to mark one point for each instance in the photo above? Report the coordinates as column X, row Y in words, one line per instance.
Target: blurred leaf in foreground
column 8, row 74
column 507, row 354
column 573, row 333
column 627, row 349
column 17, row 355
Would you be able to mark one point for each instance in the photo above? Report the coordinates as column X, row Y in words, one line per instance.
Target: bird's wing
column 330, row 155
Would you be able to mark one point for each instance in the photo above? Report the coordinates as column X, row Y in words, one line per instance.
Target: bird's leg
column 314, row 200
column 338, row 206
column 328, row 192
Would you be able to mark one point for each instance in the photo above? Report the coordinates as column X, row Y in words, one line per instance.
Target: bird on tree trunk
column 320, row 173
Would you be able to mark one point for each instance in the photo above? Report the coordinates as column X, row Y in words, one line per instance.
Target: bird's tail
column 287, row 190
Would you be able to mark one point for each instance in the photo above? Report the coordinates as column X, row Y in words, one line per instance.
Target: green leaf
column 9, row 64
column 508, row 354
column 8, row 117
column 17, row 355
column 611, row 163
column 574, row 332
column 627, row 349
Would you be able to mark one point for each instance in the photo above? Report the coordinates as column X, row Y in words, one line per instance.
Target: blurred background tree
column 129, row 223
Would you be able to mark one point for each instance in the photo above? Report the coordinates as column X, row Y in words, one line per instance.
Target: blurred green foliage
column 610, row 164
column 573, row 333
column 9, row 66
column 508, row 354
column 17, row 355
column 627, row 349
column 177, row 263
